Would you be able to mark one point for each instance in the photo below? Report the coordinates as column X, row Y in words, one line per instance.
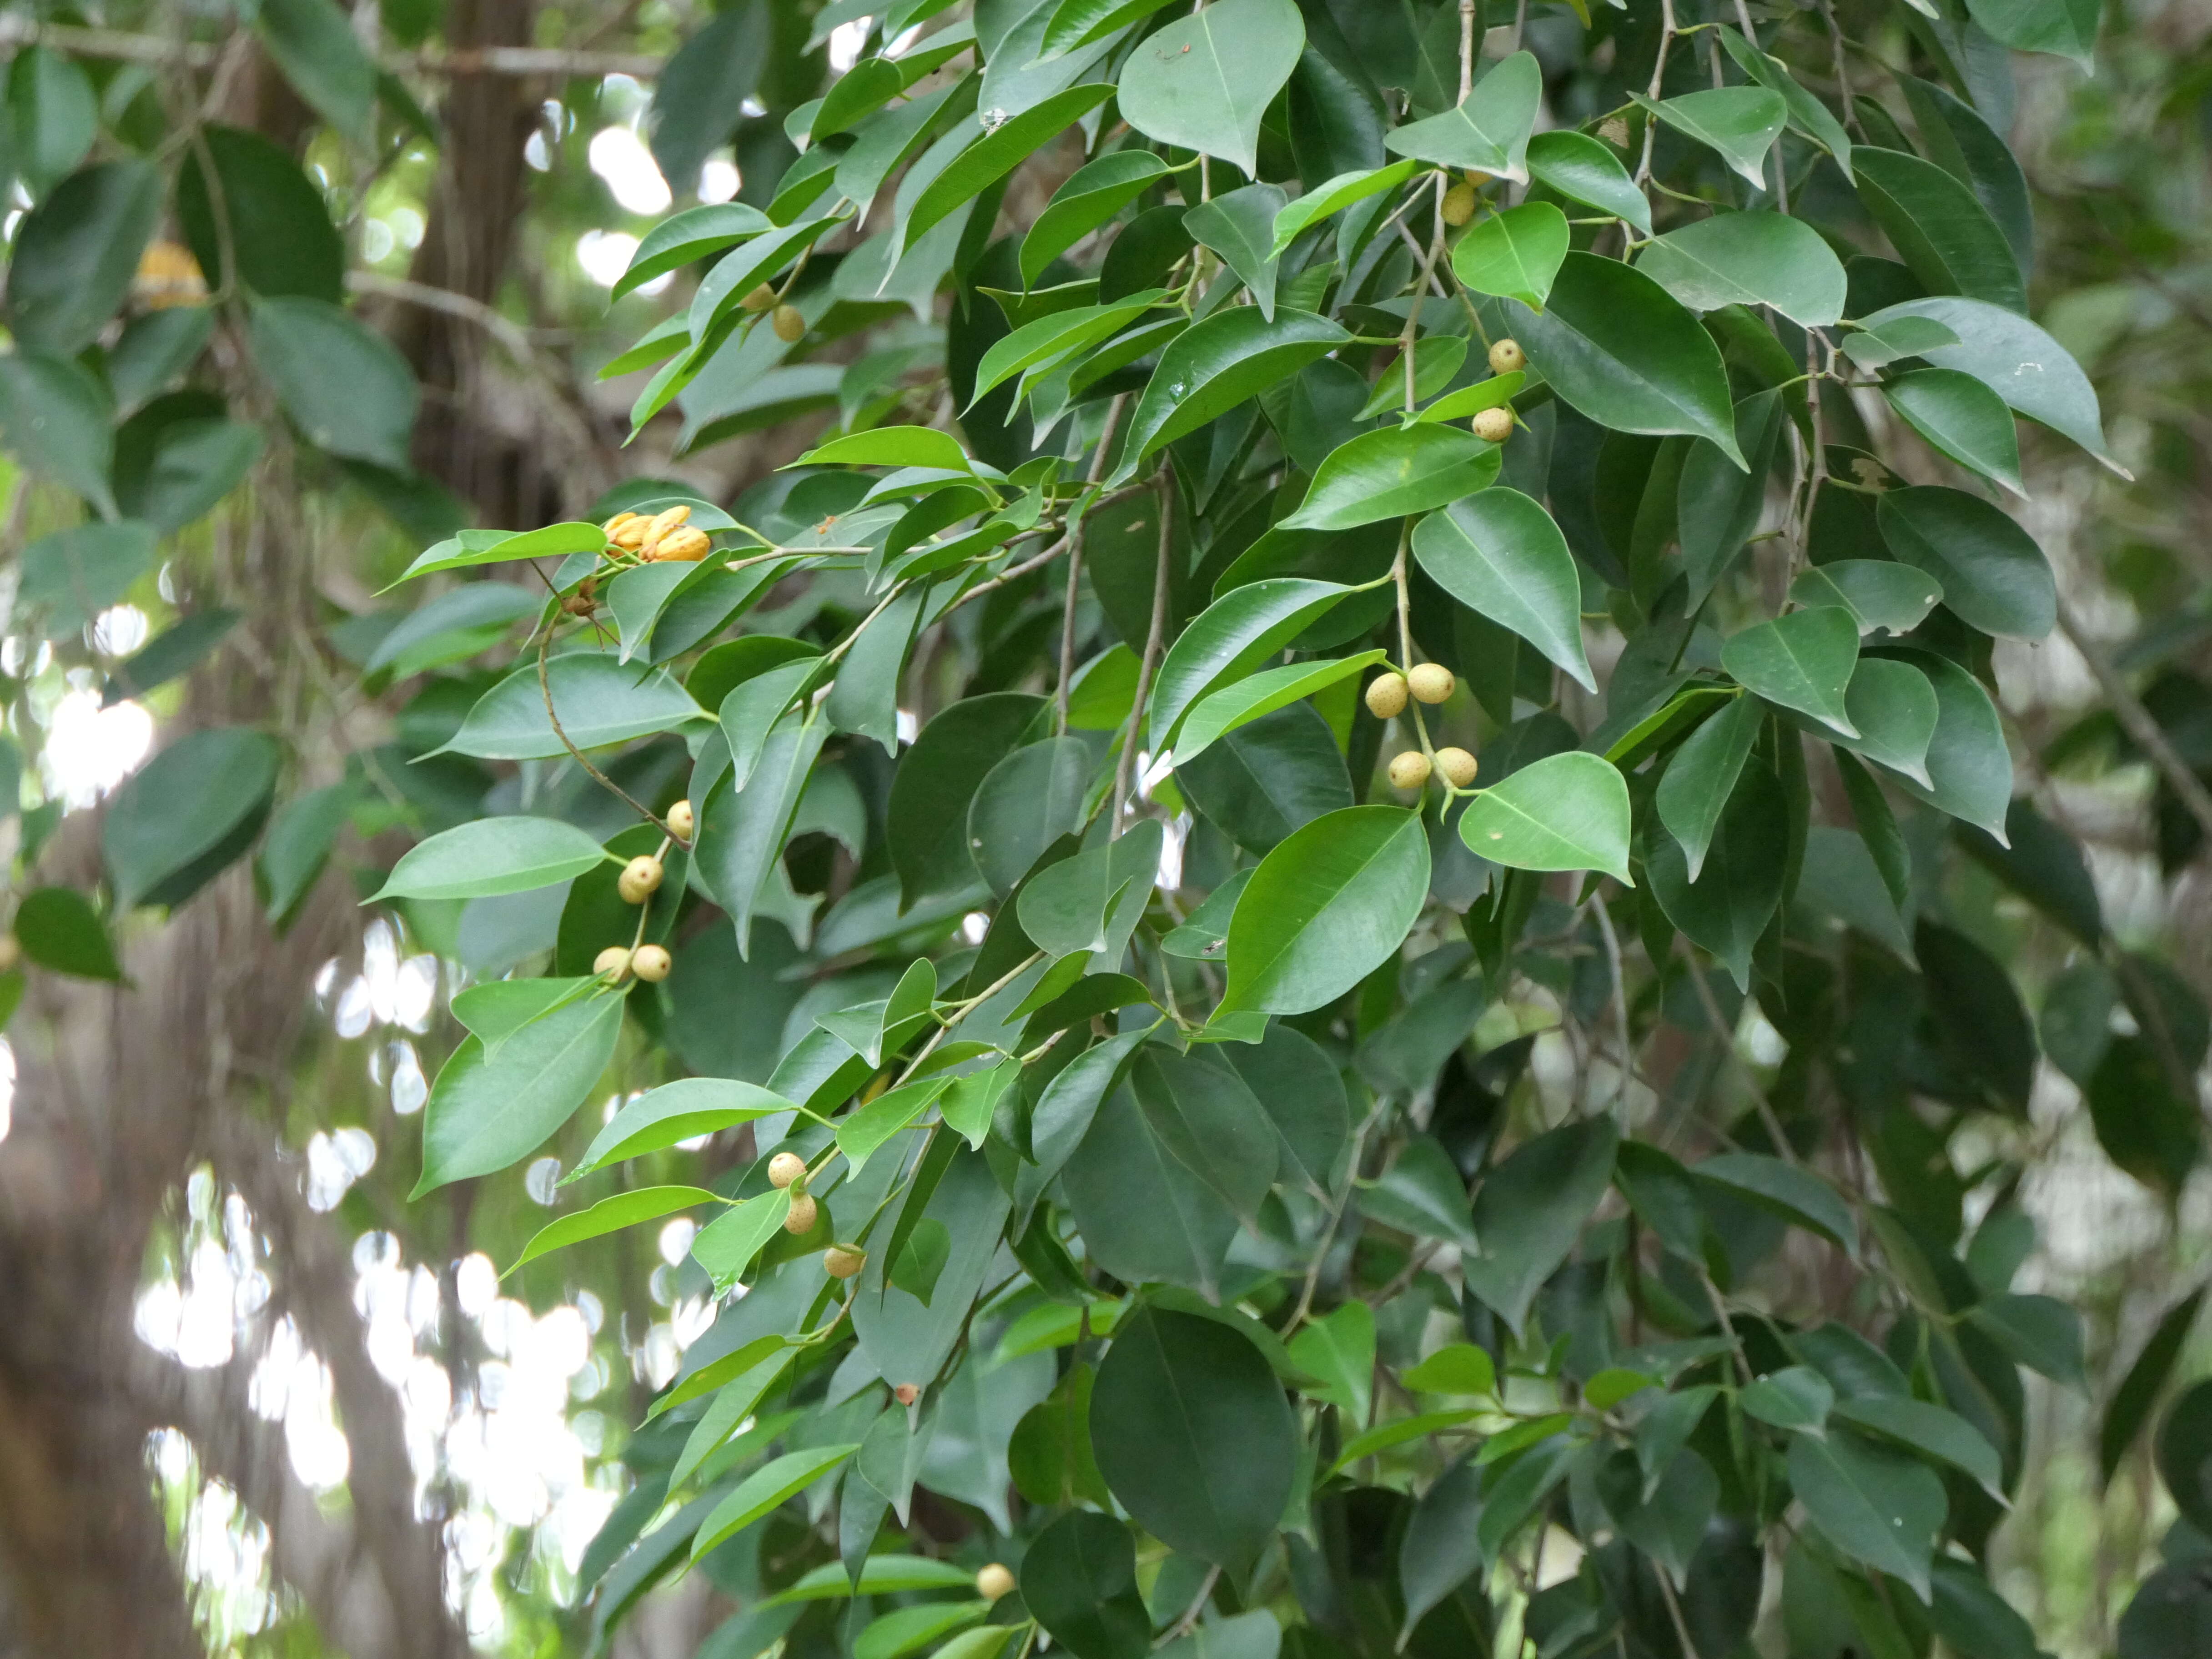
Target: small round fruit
column 1386, row 696
column 1476, row 177
column 843, row 1261
column 801, row 1218
column 639, row 879
column 760, row 298
column 615, row 960
column 905, row 1394
column 1506, row 355
column 790, row 327
column 1458, row 204
column 993, row 1581
column 1494, row 426
column 1430, row 682
column 682, row 821
column 651, row 964
column 1410, row 770
column 786, row 1169
column 1457, row 766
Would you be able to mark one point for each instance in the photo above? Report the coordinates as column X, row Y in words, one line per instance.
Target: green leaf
column 1895, row 710
column 1213, row 366
column 1957, row 139
column 742, row 832
column 1499, row 553
column 77, row 251
column 725, row 1247
column 702, row 88
column 1079, row 1582
column 344, row 385
column 1584, row 170
column 54, row 417
column 2065, row 29
column 1456, row 1368
column 1807, row 114
column 1262, row 782
column 2040, row 1331
column 1091, row 901
column 1932, row 1432
column 1240, row 227
column 491, row 856
column 1193, row 1435
column 891, row 446
column 681, row 1110
column 1333, row 196
column 611, row 1215
column 1231, row 636
column 1515, row 253
column 1441, row 1549
column 1204, row 82
column 908, row 1630
column 1093, row 195
column 1248, row 700
column 598, row 699
column 475, row 547
column 55, row 116
column 1339, row 1349
column 1422, row 1193
column 1489, row 129
column 1795, row 1194
column 684, row 238
column 314, row 45
column 486, row 1112
column 1004, row 145
column 1740, row 123
column 765, row 1488
column 1056, row 336
column 1727, row 905
column 1991, row 572
column 1700, row 778
column 1530, row 1211
column 1493, row 393
column 1940, row 228
column 1801, row 661
column 1969, row 768
column 1881, row 593
column 1797, row 1398
column 867, row 1129
column 1622, row 350
column 155, row 350
column 278, row 228
column 2016, row 360
column 187, row 813
column 1199, row 1107
column 1565, row 812
column 2145, row 1380
column 1961, row 418
column 1750, row 259
column 70, row 576
column 1876, row 1505
column 937, row 778
column 298, row 845
column 1325, row 909
column 1025, row 803
column 1395, row 473
column 59, row 929
column 171, row 471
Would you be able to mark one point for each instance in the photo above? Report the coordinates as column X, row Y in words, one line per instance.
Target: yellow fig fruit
column 651, row 964
column 993, row 1581
column 1458, row 204
column 684, row 546
column 613, row 526
column 1476, row 177
column 1506, row 355
column 843, row 1261
column 1386, row 696
column 762, row 297
column 802, row 1215
column 639, row 879
column 615, row 960
column 631, row 533
column 790, row 327
column 1430, row 682
column 1457, row 765
column 1493, row 426
column 786, row 1169
column 1410, row 770
column 682, row 821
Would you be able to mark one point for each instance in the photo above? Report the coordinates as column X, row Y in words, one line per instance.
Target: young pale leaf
column 1991, row 572
column 1489, row 130
column 1963, row 419
column 1500, row 554
column 1740, row 123
column 725, row 1247
column 1396, row 473
column 891, row 446
column 1584, row 170
column 492, row 856
column 1750, row 259
column 1801, row 661
column 1623, row 351
column 681, row 1110
column 611, row 1215
column 1326, row 908
column 1204, row 82
column 1565, row 812
column 1515, row 253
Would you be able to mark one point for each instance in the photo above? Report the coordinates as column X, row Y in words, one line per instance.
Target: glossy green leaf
column 1240, row 227
column 2065, row 29
column 1584, row 170
column 681, row 1110
column 345, row 386
column 611, row 1215
column 726, row 1246
column 1515, row 253
column 1901, row 336
column 1933, row 1432
column 1991, row 572
column 598, row 699
column 1333, row 196
column 1700, row 778
column 1961, row 418
column 1740, row 123
column 1025, row 803
column 488, row 1111
column 684, row 238
column 1565, row 812
column 1500, row 554
column 1876, row 1505
column 1881, row 593
column 1204, row 82
column 765, row 1488
column 1055, row 336
column 1530, row 1210
column 1260, row 694
column 77, row 251
column 1969, row 768
column 1234, row 635
column 1895, row 710
column 1624, row 352
column 492, row 856
column 1807, row 114
column 1488, row 129
column 742, row 831
column 1797, row 1398
column 1727, row 905
column 1260, row 782
column 1395, row 473
column 939, row 776
column 1078, row 1581
column 1750, row 259
column 1213, row 366
column 188, row 812
column 1788, row 1190
column 1803, row 661
column 1091, row 196
column 1943, row 232
column 1324, row 908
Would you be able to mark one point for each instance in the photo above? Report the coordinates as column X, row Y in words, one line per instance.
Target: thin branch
column 545, row 686
column 2136, row 720
column 508, row 333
